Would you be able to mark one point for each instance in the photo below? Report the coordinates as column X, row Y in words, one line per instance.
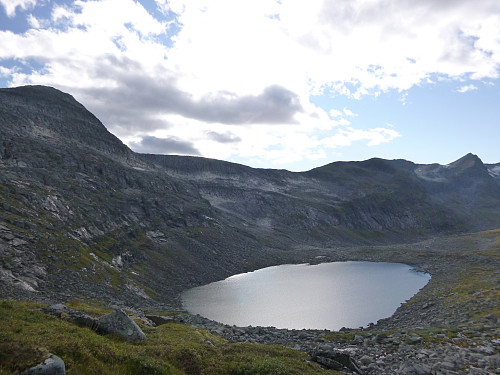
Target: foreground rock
column 78, row 317
column 53, row 365
column 117, row 323
column 121, row 324
column 335, row 360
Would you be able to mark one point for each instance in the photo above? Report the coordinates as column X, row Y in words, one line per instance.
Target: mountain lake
column 302, row 296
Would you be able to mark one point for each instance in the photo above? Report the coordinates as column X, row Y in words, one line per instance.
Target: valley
column 85, row 220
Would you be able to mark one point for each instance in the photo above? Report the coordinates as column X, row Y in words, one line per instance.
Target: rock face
column 376, row 198
column 75, row 316
column 83, row 215
column 335, row 360
column 119, row 323
column 53, row 365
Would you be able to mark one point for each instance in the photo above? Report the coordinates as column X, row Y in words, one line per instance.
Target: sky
column 271, row 83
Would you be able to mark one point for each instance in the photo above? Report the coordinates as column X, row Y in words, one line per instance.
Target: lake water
column 324, row 296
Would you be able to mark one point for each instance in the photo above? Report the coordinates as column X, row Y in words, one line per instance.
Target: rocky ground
column 463, row 349
column 451, row 327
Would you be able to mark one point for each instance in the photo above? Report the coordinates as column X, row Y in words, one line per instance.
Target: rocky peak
column 42, row 94
column 469, row 164
column 40, row 113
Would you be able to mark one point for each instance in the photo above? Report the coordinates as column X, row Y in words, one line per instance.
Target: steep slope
column 83, row 215
column 348, row 202
column 466, row 187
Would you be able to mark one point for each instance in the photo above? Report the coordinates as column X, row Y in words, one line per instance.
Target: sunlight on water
column 324, row 296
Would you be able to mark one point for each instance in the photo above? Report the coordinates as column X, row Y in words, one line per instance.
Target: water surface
column 323, row 296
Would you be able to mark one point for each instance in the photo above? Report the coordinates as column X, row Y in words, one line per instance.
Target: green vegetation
column 476, row 285
column 27, row 335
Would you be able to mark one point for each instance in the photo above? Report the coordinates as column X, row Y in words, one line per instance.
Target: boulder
column 53, row 365
column 408, row 368
column 75, row 316
column 159, row 320
column 335, row 360
column 119, row 323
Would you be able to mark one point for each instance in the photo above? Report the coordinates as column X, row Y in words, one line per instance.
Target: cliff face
column 83, row 215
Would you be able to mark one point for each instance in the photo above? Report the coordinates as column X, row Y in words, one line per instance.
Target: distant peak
column 469, row 156
column 467, row 161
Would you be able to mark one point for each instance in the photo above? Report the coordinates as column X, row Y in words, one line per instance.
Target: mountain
column 494, row 171
column 81, row 215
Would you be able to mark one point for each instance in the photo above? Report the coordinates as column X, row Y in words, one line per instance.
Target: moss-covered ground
column 28, row 335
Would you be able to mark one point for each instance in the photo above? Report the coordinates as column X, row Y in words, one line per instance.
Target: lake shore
column 321, row 296
column 449, row 327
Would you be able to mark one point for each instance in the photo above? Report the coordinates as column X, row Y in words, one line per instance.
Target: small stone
column 447, row 366
column 18, row 242
column 380, row 338
column 365, row 360
column 413, row 369
column 488, row 350
column 7, row 236
column 494, row 361
column 358, row 338
column 53, row 365
column 414, row 340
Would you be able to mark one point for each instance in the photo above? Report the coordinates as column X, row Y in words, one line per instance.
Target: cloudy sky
column 276, row 84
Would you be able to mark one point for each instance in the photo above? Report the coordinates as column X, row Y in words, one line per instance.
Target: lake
column 324, row 296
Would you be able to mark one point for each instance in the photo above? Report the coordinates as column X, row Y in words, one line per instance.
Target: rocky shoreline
column 461, row 350
column 450, row 327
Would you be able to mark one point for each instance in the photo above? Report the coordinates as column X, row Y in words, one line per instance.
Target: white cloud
column 373, row 137
column 403, row 98
column 352, row 47
column 11, row 5
column 467, row 88
column 335, row 113
column 229, row 57
column 5, row 72
column 33, row 22
column 349, row 113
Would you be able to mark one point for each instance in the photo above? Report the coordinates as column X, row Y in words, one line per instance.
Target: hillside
column 81, row 215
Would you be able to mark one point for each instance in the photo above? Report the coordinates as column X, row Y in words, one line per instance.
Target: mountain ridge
column 78, row 207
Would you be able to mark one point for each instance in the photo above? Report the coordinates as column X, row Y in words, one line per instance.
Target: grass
column 27, row 335
column 476, row 282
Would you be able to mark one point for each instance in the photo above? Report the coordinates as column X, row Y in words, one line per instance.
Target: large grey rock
column 335, row 360
column 120, row 323
column 53, row 365
column 75, row 316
